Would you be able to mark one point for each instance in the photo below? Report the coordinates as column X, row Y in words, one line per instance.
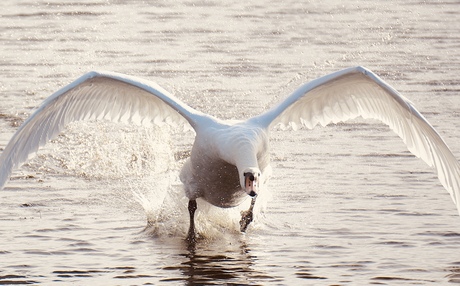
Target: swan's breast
column 214, row 180
column 211, row 171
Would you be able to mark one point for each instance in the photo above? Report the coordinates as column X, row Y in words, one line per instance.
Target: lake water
column 348, row 205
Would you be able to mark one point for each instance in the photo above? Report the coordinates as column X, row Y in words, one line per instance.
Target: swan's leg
column 191, row 231
column 247, row 216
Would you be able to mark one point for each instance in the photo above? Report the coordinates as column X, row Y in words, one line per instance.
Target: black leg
column 247, row 216
column 191, row 231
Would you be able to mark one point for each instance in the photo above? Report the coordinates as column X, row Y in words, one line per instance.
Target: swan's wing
column 357, row 92
column 95, row 95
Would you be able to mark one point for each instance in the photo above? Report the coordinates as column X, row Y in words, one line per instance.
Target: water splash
column 142, row 166
column 167, row 214
column 103, row 150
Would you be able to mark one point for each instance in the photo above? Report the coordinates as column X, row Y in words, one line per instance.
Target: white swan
column 229, row 161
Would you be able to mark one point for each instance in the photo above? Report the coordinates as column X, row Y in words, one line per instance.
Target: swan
column 229, row 160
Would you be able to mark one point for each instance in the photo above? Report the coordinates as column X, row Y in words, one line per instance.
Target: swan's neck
column 246, row 161
column 242, row 146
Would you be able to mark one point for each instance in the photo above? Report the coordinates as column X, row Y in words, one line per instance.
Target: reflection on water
column 454, row 273
column 234, row 264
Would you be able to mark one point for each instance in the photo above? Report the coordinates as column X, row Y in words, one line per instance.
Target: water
column 349, row 205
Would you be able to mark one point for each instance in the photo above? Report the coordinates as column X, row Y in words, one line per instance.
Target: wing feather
column 95, row 95
column 357, row 92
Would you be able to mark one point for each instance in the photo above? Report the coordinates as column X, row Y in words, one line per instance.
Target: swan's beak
column 251, row 184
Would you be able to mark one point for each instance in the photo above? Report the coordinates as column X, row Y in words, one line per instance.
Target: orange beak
column 251, row 184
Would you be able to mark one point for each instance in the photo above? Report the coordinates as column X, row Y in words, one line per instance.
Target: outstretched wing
column 357, row 92
column 95, row 95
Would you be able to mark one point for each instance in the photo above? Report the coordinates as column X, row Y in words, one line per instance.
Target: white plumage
column 230, row 160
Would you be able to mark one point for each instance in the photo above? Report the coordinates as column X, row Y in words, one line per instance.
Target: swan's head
column 251, row 181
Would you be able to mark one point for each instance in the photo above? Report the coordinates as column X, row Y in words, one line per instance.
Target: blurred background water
column 349, row 205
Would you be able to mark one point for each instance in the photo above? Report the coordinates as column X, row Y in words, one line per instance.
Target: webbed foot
column 191, row 237
column 247, row 216
column 246, row 219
